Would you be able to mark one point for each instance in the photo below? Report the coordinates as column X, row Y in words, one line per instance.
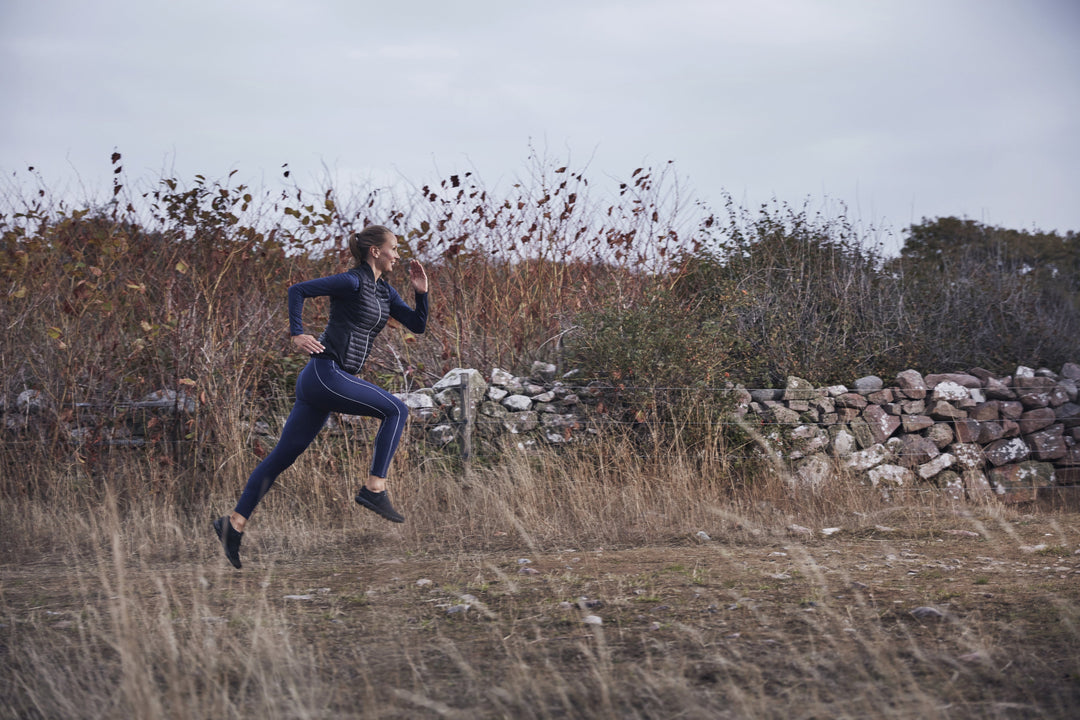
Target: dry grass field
column 550, row 587
column 665, row 574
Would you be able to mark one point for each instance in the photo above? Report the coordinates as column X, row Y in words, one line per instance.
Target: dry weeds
column 128, row 609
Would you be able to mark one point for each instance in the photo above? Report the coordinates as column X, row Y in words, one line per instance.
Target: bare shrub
column 978, row 309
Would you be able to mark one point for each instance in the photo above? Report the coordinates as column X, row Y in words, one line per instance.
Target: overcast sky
column 901, row 109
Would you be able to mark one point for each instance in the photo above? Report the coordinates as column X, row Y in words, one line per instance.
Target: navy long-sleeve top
column 360, row 306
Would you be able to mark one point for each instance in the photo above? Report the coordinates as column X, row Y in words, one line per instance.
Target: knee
column 401, row 409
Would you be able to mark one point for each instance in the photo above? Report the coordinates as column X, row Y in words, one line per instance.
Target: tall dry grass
column 127, row 609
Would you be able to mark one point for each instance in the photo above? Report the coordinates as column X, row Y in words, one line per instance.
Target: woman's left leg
column 300, row 430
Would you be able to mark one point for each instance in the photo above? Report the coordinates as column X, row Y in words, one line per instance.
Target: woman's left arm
column 414, row 319
column 417, row 276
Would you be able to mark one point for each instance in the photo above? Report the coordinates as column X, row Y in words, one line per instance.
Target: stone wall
column 525, row 411
column 972, row 434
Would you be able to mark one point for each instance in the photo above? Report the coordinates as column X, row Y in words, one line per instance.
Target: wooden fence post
column 467, row 420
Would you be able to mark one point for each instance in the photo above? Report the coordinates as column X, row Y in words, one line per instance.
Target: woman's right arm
column 333, row 285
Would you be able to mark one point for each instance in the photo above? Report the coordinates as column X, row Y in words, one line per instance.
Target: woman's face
column 384, row 256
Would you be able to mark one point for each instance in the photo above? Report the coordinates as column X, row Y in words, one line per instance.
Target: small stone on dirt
column 928, row 613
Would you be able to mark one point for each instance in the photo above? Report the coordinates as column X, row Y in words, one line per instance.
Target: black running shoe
column 230, row 539
column 379, row 502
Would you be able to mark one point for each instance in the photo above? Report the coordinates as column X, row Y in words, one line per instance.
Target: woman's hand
column 418, row 276
column 308, row 344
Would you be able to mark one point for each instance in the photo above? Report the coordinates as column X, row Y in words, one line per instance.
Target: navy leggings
column 322, row 388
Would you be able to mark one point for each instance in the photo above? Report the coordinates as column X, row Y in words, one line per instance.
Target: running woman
column 361, row 302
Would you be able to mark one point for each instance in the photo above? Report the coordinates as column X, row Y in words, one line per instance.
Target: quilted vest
column 355, row 321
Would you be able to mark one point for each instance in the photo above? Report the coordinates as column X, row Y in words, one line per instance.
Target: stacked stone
column 973, row 434
column 532, row 409
column 970, row 433
column 127, row 424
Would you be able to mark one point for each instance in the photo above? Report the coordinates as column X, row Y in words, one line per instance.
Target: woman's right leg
column 300, row 429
